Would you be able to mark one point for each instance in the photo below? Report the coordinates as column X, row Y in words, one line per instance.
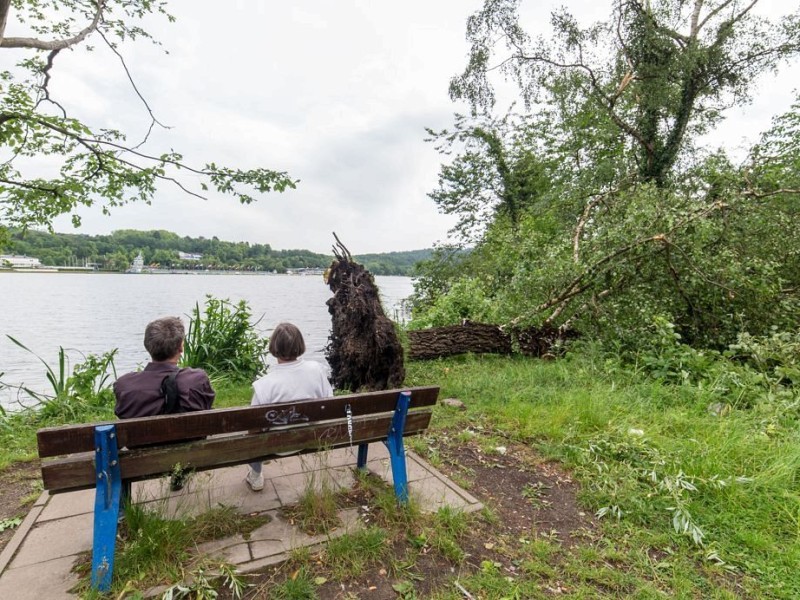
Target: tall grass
column 78, row 394
column 222, row 340
column 720, row 486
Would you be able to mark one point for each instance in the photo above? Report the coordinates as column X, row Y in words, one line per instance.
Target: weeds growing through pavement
column 156, row 547
column 202, row 584
column 317, row 509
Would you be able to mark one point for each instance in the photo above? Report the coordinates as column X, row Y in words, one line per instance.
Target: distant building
column 137, row 266
column 189, row 256
column 16, row 261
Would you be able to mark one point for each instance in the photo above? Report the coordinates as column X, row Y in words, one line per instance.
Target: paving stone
column 292, row 487
column 226, row 477
column 261, row 563
column 19, row 536
column 276, row 537
column 203, row 491
column 50, row 580
column 55, row 539
column 68, row 505
column 245, row 500
column 327, row 459
column 279, row 537
column 383, row 469
column 235, row 550
column 280, row 467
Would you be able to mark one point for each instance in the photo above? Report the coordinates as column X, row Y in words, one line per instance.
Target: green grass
column 300, row 586
column 316, row 510
column 633, row 442
column 352, row 554
column 640, row 449
column 153, row 549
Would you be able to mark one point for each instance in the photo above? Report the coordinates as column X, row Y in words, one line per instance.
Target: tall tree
column 629, row 217
column 52, row 162
column 660, row 70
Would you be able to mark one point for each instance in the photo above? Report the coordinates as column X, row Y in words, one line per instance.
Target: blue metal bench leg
column 397, row 453
column 106, row 506
column 362, row 457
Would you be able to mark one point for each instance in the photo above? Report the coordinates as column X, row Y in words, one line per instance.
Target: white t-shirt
column 297, row 380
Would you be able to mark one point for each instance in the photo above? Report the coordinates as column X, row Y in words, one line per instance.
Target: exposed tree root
column 363, row 351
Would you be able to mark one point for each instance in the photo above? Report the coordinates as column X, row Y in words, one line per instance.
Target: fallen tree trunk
column 478, row 338
column 483, row 338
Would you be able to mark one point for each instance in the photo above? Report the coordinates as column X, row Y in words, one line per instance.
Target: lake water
column 95, row 313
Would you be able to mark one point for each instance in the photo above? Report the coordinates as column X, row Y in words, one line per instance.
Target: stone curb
column 22, row 531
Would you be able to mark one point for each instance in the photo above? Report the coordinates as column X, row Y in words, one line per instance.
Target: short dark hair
column 163, row 338
column 286, row 342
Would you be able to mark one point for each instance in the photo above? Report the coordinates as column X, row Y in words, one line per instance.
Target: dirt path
column 527, row 495
column 20, row 485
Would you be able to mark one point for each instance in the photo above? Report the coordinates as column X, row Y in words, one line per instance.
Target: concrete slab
column 68, row 505
column 243, row 499
column 292, row 487
column 432, row 494
column 50, row 580
column 19, row 536
column 275, row 538
column 55, row 539
column 278, row 537
column 234, row 550
column 383, row 468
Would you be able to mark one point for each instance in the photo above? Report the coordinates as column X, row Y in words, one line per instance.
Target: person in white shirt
column 291, row 379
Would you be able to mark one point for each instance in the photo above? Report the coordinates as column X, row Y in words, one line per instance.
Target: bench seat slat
column 58, row 441
column 78, row 471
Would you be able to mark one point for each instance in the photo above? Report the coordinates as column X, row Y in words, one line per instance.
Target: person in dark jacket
column 142, row 394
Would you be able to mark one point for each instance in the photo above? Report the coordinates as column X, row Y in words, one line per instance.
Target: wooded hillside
column 161, row 248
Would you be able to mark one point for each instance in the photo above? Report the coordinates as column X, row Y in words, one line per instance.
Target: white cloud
column 336, row 93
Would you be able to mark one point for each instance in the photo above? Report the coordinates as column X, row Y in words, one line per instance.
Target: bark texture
column 483, row 338
column 478, row 338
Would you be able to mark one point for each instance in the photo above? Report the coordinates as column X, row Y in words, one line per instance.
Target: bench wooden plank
column 78, row 470
column 57, row 441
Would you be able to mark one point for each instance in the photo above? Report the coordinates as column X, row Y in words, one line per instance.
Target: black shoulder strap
column 169, row 390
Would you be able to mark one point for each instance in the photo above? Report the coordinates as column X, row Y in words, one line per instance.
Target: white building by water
column 137, row 265
column 16, row 261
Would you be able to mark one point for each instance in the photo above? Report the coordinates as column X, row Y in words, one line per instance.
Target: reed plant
column 222, row 340
column 76, row 394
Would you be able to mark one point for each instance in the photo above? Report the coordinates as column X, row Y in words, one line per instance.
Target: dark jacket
column 139, row 394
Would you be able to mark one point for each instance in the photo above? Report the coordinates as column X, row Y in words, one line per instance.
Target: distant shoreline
column 60, row 271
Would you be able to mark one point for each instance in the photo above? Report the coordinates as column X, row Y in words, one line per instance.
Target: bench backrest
column 213, row 438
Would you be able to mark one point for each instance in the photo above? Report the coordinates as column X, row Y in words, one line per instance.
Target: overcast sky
column 336, row 93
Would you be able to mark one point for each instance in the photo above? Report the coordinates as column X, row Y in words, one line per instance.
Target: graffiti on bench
column 286, row 416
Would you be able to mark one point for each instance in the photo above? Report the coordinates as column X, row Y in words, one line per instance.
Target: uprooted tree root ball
column 363, row 351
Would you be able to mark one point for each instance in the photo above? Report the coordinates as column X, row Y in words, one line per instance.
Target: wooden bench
column 108, row 456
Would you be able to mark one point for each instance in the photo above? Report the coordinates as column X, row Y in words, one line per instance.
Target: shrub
column 77, row 396
column 222, row 341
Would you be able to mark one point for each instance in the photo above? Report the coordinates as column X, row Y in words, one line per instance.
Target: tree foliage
column 53, row 162
column 116, row 251
column 596, row 207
